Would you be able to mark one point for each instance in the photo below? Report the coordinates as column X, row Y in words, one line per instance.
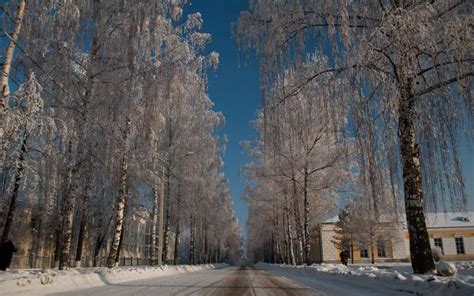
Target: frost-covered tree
column 117, row 96
column 299, row 159
column 344, row 230
column 411, row 61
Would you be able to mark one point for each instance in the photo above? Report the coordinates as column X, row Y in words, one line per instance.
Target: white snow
column 446, row 268
column 387, row 279
column 45, row 281
column 433, row 220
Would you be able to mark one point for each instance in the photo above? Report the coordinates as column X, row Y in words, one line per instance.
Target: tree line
column 105, row 117
column 368, row 100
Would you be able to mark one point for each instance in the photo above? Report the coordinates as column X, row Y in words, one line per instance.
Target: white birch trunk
column 120, row 209
column 4, row 85
column 156, row 198
column 168, row 217
column 299, row 227
column 291, row 254
column 7, row 63
column 161, row 217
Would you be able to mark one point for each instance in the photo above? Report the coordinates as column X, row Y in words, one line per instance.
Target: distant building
column 453, row 233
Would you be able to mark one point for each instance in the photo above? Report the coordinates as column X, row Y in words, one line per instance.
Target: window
column 364, row 253
column 438, row 242
column 381, row 252
column 460, row 245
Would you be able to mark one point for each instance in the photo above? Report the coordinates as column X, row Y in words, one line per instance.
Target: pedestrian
column 344, row 256
column 6, row 252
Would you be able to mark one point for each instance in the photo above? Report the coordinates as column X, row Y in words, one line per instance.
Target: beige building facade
column 452, row 232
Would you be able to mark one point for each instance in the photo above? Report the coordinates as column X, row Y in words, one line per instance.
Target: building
column 452, row 232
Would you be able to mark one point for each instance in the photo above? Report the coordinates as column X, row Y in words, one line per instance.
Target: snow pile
column 396, row 277
column 332, row 268
column 446, row 269
column 24, row 282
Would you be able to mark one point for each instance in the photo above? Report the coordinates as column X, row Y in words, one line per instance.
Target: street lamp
column 161, row 209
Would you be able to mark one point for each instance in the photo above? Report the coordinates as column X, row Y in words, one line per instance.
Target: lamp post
column 161, row 209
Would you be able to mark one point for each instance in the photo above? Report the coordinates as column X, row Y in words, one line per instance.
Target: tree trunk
column 191, row 241
column 372, row 253
column 374, row 188
column 156, row 199
column 80, row 239
column 82, row 155
column 178, row 229
column 285, row 252
column 68, row 217
column 160, row 216
column 274, row 236
column 120, row 245
column 82, row 231
column 61, row 207
column 206, row 244
column 98, row 245
column 85, row 215
column 16, row 188
column 7, row 63
column 272, row 247
column 4, row 86
column 278, row 245
column 420, row 250
column 291, row 254
column 120, row 208
column 307, row 246
column 298, row 226
column 71, row 197
column 168, row 216
column 352, row 250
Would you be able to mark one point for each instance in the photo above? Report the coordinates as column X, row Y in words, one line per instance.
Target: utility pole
column 161, row 213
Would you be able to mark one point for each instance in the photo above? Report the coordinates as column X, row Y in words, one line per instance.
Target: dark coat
column 344, row 256
column 6, row 253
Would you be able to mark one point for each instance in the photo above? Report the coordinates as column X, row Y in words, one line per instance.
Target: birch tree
column 4, row 81
column 412, row 58
column 91, row 130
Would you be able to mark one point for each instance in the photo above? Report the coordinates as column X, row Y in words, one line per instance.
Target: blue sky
column 234, row 88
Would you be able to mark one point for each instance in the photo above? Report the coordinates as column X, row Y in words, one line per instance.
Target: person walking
column 344, row 256
column 6, row 253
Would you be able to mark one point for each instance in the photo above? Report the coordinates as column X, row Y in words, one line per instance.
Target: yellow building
column 452, row 232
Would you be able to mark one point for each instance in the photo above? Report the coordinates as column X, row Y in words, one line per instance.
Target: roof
column 331, row 220
column 448, row 220
column 435, row 220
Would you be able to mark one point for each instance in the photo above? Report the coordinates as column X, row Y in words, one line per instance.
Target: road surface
column 233, row 281
column 246, row 281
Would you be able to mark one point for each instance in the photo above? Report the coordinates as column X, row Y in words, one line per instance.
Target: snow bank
column 395, row 278
column 45, row 281
column 446, row 269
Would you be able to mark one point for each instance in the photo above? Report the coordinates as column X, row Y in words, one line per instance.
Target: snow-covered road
column 223, row 281
column 240, row 281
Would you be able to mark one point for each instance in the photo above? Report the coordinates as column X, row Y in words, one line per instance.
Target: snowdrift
column 396, row 277
column 45, row 281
